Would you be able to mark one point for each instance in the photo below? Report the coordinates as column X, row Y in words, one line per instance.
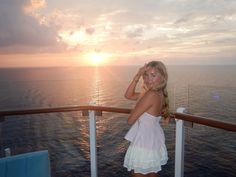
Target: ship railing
column 182, row 119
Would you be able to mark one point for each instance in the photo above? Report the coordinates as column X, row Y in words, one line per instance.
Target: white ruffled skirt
column 145, row 161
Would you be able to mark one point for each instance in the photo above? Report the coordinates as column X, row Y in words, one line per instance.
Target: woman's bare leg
column 137, row 174
column 153, row 175
column 142, row 175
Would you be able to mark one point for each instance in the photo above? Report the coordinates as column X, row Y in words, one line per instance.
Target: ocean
column 208, row 91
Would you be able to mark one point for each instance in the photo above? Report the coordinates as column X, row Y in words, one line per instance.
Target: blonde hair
column 162, row 86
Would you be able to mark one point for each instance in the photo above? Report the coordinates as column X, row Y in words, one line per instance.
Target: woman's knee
column 153, row 175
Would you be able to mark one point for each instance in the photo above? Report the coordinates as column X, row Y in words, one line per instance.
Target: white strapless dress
column 147, row 151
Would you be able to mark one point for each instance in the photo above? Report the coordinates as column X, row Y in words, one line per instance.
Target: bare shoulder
column 152, row 95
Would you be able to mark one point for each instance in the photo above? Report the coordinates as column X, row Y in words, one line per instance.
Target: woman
column 147, row 151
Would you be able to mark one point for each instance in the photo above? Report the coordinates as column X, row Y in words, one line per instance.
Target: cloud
column 90, row 30
column 128, row 28
column 22, row 32
column 33, row 5
column 134, row 31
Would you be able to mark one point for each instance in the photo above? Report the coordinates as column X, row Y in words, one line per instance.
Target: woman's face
column 152, row 78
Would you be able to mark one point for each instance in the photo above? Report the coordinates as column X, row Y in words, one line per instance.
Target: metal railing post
column 92, row 139
column 179, row 146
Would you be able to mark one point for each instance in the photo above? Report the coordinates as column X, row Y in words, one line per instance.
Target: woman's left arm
column 142, row 106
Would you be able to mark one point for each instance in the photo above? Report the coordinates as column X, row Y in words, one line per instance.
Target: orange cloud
column 34, row 5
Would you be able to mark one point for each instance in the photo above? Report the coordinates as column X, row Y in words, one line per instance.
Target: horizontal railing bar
column 64, row 109
column 206, row 121
column 186, row 117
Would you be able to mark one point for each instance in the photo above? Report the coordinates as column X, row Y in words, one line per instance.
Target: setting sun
column 96, row 58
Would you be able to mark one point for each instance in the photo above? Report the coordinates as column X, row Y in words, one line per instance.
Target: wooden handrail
column 64, row 109
column 206, row 121
column 186, row 117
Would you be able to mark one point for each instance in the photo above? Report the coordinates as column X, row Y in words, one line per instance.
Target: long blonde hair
column 162, row 86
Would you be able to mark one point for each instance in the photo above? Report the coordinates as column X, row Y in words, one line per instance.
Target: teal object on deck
column 33, row 164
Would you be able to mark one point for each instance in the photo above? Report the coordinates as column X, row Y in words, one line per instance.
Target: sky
column 43, row 33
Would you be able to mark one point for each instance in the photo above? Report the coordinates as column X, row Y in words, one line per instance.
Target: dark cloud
column 90, row 30
column 134, row 33
column 21, row 32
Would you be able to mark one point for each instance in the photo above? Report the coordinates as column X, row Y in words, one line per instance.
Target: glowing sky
column 65, row 32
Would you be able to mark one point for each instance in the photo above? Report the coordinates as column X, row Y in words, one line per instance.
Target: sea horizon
column 111, row 65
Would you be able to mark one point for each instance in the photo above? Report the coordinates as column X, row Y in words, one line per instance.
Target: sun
column 96, row 58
